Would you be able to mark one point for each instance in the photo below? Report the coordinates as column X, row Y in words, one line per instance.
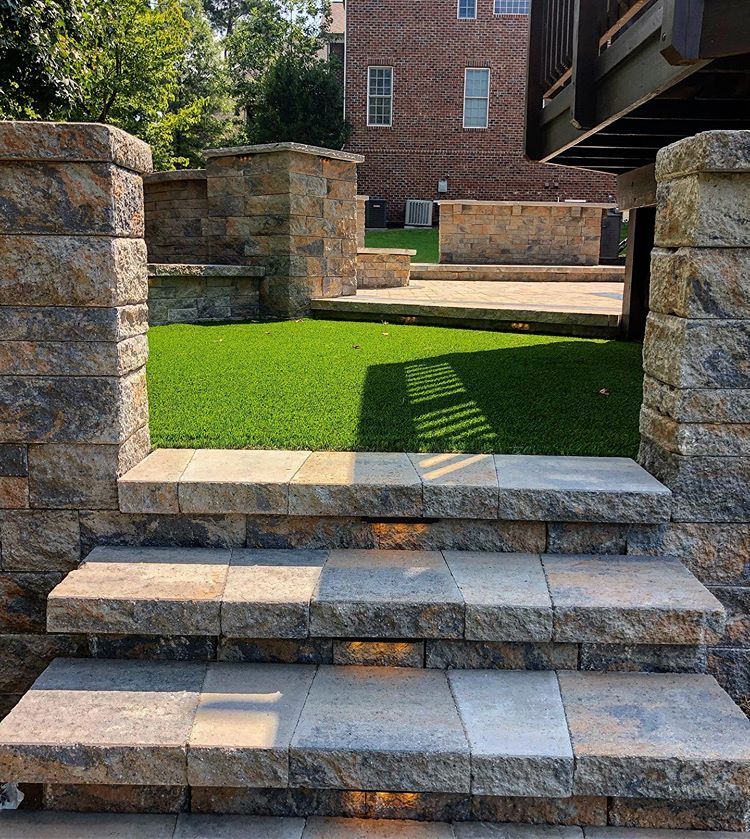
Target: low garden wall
column 203, row 293
column 176, row 205
column 383, row 267
column 520, row 233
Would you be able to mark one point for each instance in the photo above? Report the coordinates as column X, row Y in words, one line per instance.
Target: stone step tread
column 395, row 485
column 47, row 824
column 479, row 732
column 386, row 594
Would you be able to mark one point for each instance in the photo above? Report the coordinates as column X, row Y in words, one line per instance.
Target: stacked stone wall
column 695, row 418
column 73, row 348
column 361, row 204
column 481, row 233
column 176, row 207
column 383, row 267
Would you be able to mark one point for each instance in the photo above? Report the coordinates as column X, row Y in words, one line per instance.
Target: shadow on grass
column 579, row 398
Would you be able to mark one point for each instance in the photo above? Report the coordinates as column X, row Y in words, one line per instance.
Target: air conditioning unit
column 418, row 213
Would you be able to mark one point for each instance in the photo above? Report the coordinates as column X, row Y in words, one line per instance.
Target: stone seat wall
column 383, row 267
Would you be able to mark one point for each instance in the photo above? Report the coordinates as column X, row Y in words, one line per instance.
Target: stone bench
column 203, row 293
column 383, row 267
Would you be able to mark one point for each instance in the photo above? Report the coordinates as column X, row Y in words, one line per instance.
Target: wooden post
column 681, row 31
column 587, row 27
column 534, row 86
column 637, row 273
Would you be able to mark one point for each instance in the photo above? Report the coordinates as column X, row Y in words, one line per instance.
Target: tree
column 223, row 14
column 299, row 99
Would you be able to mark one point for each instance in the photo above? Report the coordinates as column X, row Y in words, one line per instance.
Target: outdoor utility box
column 609, row 253
column 375, row 213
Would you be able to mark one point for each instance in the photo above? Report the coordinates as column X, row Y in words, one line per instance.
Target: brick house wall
column 429, row 49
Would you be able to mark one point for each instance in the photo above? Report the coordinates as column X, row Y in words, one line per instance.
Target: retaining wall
column 383, row 267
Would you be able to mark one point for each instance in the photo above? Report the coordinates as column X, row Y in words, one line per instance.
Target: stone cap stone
column 599, row 205
column 176, row 175
column 710, row 151
column 163, row 269
column 362, row 197
column 397, row 251
column 269, row 148
column 74, row 142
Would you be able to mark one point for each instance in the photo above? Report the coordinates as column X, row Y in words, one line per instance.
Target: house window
column 476, row 97
column 380, row 96
column 511, row 7
column 467, row 9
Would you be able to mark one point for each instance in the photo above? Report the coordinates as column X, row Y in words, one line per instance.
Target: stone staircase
column 456, row 689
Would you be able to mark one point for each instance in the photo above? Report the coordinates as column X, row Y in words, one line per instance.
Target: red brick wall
column 429, row 49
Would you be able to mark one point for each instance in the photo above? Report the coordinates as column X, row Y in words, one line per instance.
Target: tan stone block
column 268, row 183
column 701, row 282
column 709, row 151
column 345, row 190
column 720, row 439
column 72, row 271
column 80, row 142
column 264, row 205
column 151, row 485
column 14, row 493
column 703, row 210
column 342, row 170
column 84, row 198
column 73, row 358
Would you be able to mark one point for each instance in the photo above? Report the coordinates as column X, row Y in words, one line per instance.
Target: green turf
column 424, row 241
column 370, row 386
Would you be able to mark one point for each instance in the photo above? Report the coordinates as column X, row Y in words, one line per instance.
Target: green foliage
column 223, row 14
column 299, row 100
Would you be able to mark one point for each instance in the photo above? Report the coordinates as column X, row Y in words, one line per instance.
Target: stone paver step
column 395, row 485
column 382, row 594
column 490, row 732
column 52, row 825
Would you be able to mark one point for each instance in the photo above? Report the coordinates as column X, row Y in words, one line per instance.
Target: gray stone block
column 517, row 732
column 590, row 489
column 151, row 485
column 456, row 655
column 42, row 824
column 695, row 439
column 109, row 722
column 394, row 729
column 197, row 826
column 73, row 323
column 73, row 358
column 244, row 724
column 13, row 461
column 697, row 405
column 40, row 540
column 506, row 596
column 486, row 830
column 643, row 658
column 457, row 485
column 709, row 151
column 386, row 594
column 655, row 735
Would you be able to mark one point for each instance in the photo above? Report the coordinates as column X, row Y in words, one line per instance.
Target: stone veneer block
column 654, row 735
column 506, row 595
column 457, row 485
column 14, row 493
column 497, row 655
column 268, row 593
column 239, row 481
column 243, row 728
column 48, row 824
column 709, row 151
column 719, row 406
column 695, row 439
column 40, row 540
column 356, row 484
column 70, row 270
column 73, row 358
column 386, row 594
column 151, row 486
column 197, row 826
column 620, row 599
column 73, row 323
column 393, row 729
column 486, row 830
column 517, row 732
column 320, row 827
column 379, row 653
column 590, row 489
column 149, row 591
column 73, row 142
column 103, row 722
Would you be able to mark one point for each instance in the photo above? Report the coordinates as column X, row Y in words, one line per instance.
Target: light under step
column 476, row 732
column 378, row 594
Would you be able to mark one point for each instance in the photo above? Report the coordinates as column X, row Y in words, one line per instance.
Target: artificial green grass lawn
column 424, row 241
column 369, row 386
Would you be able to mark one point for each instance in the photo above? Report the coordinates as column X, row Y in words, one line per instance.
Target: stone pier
column 73, row 348
column 290, row 208
column 695, row 419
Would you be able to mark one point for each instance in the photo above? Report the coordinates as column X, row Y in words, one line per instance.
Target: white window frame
column 487, row 100
column 466, row 17
column 389, row 124
column 501, row 13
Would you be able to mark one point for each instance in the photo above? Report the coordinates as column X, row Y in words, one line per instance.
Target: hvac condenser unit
column 418, row 213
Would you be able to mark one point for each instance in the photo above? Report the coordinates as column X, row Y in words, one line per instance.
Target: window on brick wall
column 380, row 96
column 511, row 7
column 467, row 9
column 476, row 97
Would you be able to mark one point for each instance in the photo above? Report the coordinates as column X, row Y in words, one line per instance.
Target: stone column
column 73, row 321
column 695, row 419
column 290, row 208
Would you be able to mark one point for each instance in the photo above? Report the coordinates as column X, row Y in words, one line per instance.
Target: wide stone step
column 51, row 825
column 380, row 594
column 395, row 485
column 470, row 732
